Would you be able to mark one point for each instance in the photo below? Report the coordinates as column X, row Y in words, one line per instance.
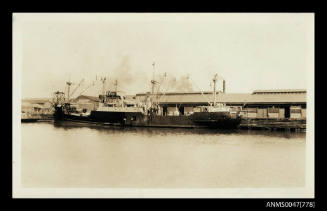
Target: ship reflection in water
column 70, row 155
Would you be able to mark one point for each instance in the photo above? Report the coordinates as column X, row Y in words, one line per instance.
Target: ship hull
column 138, row 119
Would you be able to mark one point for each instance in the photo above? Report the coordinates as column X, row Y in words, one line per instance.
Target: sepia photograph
column 163, row 105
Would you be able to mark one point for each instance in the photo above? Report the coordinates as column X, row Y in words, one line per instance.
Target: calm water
column 67, row 155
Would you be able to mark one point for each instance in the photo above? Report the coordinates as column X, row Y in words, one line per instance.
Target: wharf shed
column 266, row 104
column 186, row 102
column 286, row 103
column 36, row 105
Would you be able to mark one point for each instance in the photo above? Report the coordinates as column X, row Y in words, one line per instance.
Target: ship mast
column 59, row 98
column 68, row 89
column 153, row 81
column 73, row 92
column 214, row 89
column 103, row 80
column 116, row 85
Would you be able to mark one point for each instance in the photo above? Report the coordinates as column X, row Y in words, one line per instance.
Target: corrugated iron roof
column 37, row 106
column 36, row 100
column 233, row 98
column 257, row 97
column 205, row 98
column 277, row 98
column 279, row 91
column 177, row 93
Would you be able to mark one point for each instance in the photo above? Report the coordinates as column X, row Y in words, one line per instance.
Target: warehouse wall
column 171, row 111
column 304, row 113
column 262, row 113
column 295, row 112
column 273, row 113
column 188, row 110
column 281, row 113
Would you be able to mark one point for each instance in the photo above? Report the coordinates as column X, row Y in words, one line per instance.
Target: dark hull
column 137, row 119
column 29, row 120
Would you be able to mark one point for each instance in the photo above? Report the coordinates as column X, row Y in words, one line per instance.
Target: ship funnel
column 224, row 86
column 214, row 89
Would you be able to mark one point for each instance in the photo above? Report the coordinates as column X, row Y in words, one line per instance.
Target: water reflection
column 64, row 154
column 153, row 131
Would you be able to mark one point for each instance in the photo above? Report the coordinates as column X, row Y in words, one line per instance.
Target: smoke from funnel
column 131, row 80
column 173, row 84
column 128, row 79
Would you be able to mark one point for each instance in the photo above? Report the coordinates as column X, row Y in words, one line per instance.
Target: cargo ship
column 114, row 109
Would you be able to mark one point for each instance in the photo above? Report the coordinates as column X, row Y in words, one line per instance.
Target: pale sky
column 250, row 51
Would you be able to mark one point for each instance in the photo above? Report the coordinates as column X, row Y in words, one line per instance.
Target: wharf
column 37, row 118
column 246, row 124
column 274, row 124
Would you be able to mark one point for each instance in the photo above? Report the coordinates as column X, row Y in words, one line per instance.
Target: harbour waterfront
column 72, row 155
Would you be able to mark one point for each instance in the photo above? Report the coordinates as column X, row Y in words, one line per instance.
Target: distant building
column 36, row 106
